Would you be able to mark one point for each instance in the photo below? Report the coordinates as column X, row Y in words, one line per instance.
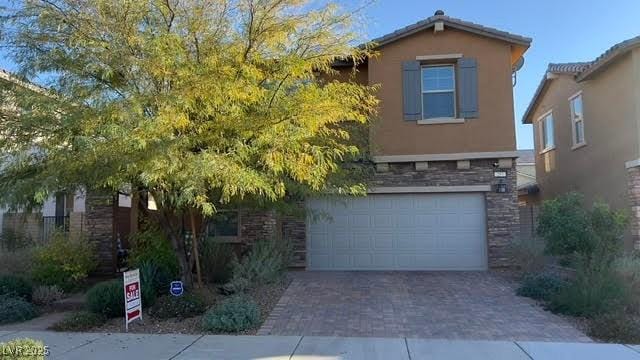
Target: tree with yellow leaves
column 200, row 103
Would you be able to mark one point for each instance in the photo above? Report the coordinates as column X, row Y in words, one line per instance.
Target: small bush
column 618, row 327
column 151, row 246
column 266, row 263
column 628, row 269
column 15, row 309
column 541, row 287
column 529, row 255
column 596, row 290
column 12, row 285
column 79, row 321
column 182, row 307
column 12, row 240
column 47, row 295
column 23, row 349
column 569, row 228
column 106, row 298
column 64, row 261
column 216, row 260
column 16, row 262
column 234, row 314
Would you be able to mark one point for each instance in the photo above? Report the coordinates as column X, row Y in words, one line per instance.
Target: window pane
column 436, row 78
column 579, row 132
column 437, row 105
column 576, row 104
column 225, row 223
column 548, row 130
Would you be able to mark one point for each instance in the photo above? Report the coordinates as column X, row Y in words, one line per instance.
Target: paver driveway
column 445, row 305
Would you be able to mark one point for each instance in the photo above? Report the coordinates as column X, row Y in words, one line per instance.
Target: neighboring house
column 586, row 120
column 444, row 194
column 526, row 177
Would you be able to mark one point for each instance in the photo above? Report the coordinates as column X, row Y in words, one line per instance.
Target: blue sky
column 562, row 31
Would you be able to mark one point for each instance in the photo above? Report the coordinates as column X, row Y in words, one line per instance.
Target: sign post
column 132, row 297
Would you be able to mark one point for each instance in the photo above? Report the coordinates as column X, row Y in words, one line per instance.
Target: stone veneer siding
column 99, row 225
column 633, row 181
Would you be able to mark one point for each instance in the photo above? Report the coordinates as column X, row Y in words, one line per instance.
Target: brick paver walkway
column 443, row 305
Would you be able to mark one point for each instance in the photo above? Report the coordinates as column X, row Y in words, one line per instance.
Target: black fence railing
column 51, row 224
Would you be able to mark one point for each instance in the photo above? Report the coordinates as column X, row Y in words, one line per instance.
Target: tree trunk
column 194, row 240
column 177, row 243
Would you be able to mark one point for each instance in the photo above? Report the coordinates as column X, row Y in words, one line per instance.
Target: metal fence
column 51, row 224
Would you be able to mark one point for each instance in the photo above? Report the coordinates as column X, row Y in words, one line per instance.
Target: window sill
column 547, row 150
column 578, row 146
column 440, row 121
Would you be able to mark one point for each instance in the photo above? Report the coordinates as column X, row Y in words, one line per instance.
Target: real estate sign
column 132, row 297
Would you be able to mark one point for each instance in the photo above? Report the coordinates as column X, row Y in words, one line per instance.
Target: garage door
column 398, row 232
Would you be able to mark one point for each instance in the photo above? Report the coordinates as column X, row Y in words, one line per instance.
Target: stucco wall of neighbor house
column 597, row 169
column 493, row 130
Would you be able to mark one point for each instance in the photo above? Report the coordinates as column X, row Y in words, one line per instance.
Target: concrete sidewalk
column 145, row 346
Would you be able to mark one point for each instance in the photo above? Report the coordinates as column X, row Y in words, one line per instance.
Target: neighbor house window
column 225, row 225
column 438, row 92
column 546, row 131
column 577, row 119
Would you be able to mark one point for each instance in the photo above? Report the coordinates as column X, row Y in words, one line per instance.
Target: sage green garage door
column 398, row 232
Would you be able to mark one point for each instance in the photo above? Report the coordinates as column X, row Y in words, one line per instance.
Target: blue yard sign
column 176, row 288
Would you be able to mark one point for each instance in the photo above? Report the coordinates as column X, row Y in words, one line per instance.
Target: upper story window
column 438, row 91
column 546, row 132
column 577, row 119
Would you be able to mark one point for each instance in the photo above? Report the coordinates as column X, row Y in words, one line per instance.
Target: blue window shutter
column 468, row 87
column 411, row 91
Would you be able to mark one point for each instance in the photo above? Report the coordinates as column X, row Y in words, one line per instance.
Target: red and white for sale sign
column 132, row 297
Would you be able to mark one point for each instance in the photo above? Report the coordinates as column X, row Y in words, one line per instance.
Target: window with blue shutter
column 438, row 92
column 411, row 102
column 468, row 87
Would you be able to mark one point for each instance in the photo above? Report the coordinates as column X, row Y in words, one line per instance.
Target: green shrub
column 46, row 295
column 541, row 286
column 618, row 327
column 182, row 307
column 152, row 246
column 529, row 255
column 106, row 298
column 64, row 261
column 266, row 263
column 23, row 349
column 216, row 260
column 15, row 309
column 235, row 314
column 628, row 269
column 596, row 290
column 16, row 262
column 569, row 228
column 79, row 321
column 12, row 285
column 151, row 280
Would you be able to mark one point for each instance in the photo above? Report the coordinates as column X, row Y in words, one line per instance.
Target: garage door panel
column 400, row 231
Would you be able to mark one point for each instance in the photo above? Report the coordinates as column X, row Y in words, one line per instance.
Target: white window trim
column 576, row 145
column 541, row 136
column 439, row 120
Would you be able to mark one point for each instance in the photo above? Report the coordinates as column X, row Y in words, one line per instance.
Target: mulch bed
column 266, row 296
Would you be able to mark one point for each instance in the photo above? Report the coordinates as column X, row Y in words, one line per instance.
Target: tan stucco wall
column 494, row 130
column 611, row 131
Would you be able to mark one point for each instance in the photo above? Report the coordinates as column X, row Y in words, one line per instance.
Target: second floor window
column 546, row 132
column 438, row 92
column 577, row 119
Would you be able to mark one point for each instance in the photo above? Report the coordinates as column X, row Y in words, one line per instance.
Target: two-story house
column 444, row 195
column 586, row 121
